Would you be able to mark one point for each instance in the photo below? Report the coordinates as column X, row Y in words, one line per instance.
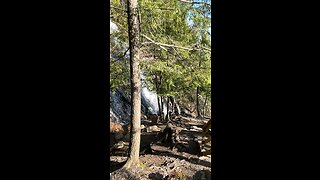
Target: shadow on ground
column 200, row 175
column 123, row 174
column 115, row 165
column 156, row 176
column 191, row 160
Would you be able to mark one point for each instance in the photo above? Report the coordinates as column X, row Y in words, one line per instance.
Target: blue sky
column 197, row 5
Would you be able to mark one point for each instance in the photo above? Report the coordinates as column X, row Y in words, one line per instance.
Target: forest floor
column 182, row 162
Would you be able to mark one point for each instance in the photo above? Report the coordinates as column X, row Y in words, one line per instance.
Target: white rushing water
column 113, row 27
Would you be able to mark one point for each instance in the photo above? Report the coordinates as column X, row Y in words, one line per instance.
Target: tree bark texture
column 134, row 45
column 204, row 106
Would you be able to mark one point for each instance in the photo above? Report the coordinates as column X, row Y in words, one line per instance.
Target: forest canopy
column 175, row 50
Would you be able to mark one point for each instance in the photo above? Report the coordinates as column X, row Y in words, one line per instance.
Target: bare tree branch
column 153, row 42
column 194, row 2
column 173, row 46
column 118, row 8
column 124, row 54
column 206, row 48
column 165, row 9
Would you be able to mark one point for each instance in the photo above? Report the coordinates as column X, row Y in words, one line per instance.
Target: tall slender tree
column 134, row 45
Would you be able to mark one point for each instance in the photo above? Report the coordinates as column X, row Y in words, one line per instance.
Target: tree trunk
column 204, row 105
column 161, row 113
column 170, row 99
column 197, row 97
column 178, row 108
column 198, row 104
column 175, row 106
column 168, row 107
column 134, row 44
column 158, row 98
column 159, row 106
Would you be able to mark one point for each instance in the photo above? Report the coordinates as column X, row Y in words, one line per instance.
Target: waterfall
column 120, row 108
column 113, row 27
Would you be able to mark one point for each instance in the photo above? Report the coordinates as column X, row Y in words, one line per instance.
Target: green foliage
column 170, row 71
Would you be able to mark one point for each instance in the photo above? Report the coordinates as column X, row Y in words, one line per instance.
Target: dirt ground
column 164, row 163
